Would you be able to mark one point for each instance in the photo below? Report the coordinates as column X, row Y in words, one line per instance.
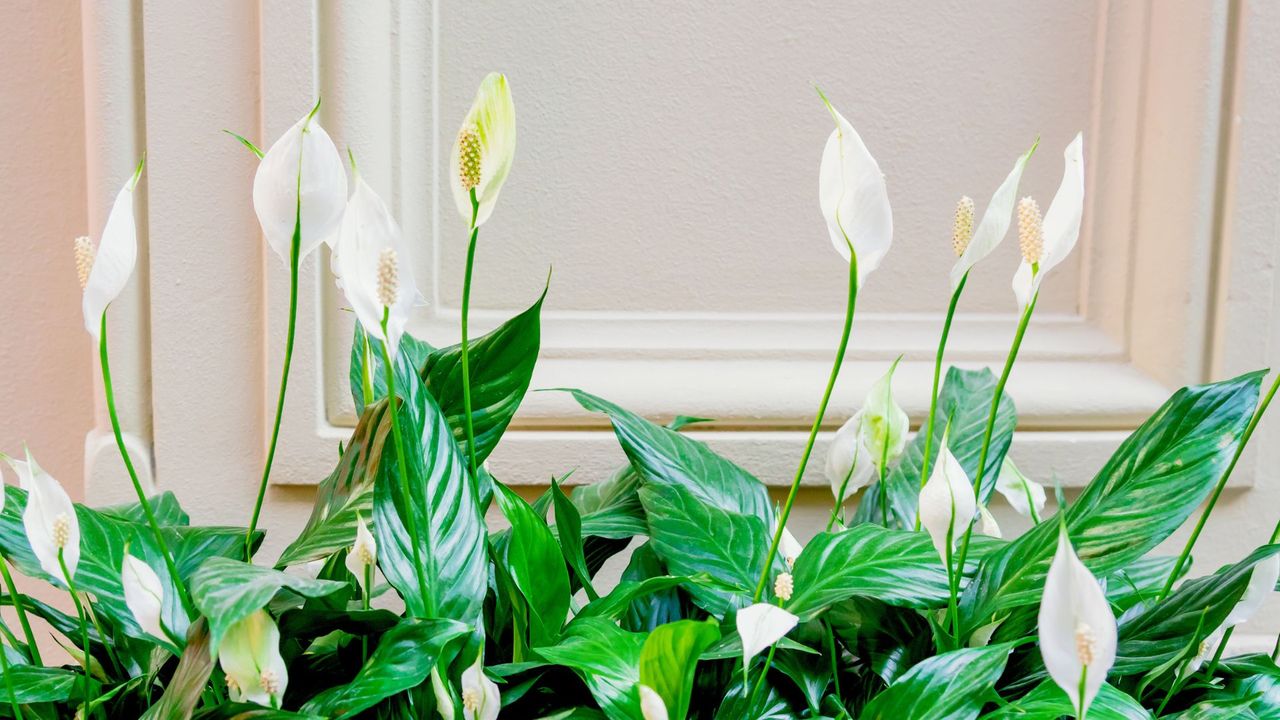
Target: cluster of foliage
column 396, row 600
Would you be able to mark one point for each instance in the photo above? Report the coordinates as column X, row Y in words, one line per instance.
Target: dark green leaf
column 366, row 352
column 533, row 559
column 33, row 684
column 951, row 686
column 165, row 507
column 1048, row 700
column 669, row 658
column 607, row 659
column 626, row 592
column 648, row 611
column 227, row 591
column 569, row 531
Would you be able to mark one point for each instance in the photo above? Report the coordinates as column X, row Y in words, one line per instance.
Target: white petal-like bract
column 300, row 182
column 250, row 657
column 1077, row 628
column 884, row 423
column 849, row 463
column 143, row 595
column 114, row 259
column 491, row 123
column 995, row 221
column 481, row 699
column 652, row 706
column 49, row 519
column 760, row 626
column 1061, row 224
column 947, row 502
column 1262, row 582
column 363, row 555
column 1022, row 493
column 854, row 199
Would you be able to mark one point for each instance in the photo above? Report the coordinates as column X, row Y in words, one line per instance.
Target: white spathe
column 1077, row 628
column 481, row 699
column 884, row 423
column 995, row 221
column 363, row 555
column 114, row 259
column 989, row 527
column 854, row 199
column 368, row 229
column 49, row 518
column 300, row 182
column 1022, row 492
column 143, row 595
column 947, row 502
column 492, row 118
column 1262, row 583
column 250, row 656
column 849, row 463
column 652, row 706
column 1061, row 225
column 760, row 626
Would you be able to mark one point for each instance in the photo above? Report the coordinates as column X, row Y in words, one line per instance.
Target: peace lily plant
column 396, row 600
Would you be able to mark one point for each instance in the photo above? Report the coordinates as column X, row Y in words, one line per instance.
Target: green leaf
column 227, row 591
column 403, row 659
column 1159, row 633
column 648, row 610
column 165, row 507
column 34, row 684
column 346, row 493
column 451, row 533
column 413, row 350
column 569, row 531
column 614, row 604
column 607, row 659
column 965, row 400
column 951, row 686
column 665, row 457
column 501, row 365
column 1153, row 482
column 532, row 557
column 669, row 658
column 1048, row 700
column 692, row 536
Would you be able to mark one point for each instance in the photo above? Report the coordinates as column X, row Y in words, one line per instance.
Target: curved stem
column 466, row 357
column 8, row 684
column 21, row 609
column 1217, row 490
column 813, row 432
column 986, row 448
column 109, row 391
column 411, row 521
column 84, row 627
column 937, row 376
column 294, row 252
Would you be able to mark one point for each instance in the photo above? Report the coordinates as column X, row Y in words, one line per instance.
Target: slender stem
column 294, row 252
column 953, row 581
column 84, row 627
column 8, row 683
column 1084, row 675
column 986, row 447
column 364, row 605
column 109, row 391
column 884, row 494
column 937, row 376
column 835, row 667
column 1217, row 653
column 466, row 356
column 813, row 432
column 367, row 379
column 764, row 672
column 411, row 521
column 21, row 608
column 839, row 505
column 106, row 643
column 1217, row 490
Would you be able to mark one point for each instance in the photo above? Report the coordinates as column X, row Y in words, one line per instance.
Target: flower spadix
column 1045, row 244
column 49, row 518
column 300, row 183
column 372, row 261
column 1077, row 627
column 143, row 595
column 105, row 270
column 994, row 226
column 484, row 148
column 652, row 707
column 854, row 200
column 364, row 553
column 250, row 656
column 760, row 626
column 947, row 502
column 1024, row 494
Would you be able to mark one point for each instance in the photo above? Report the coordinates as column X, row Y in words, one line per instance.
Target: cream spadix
column 995, row 221
column 300, row 183
column 1059, row 230
column 947, row 502
column 481, row 699
column 853, row 196
column 49, row 519
column 106, row 270
column 760, row 626
column 1077, row 628
column 484, row 149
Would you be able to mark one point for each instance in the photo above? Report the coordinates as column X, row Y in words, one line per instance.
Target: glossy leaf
column 951, row 686
column 33, row 684
column 533, row 559
column 568, row 531
column 403, row 659
column 370, row 356
column 607, row 659
column 670, row 657
column 189, row 680
column 1048, row 701
column 625, row 592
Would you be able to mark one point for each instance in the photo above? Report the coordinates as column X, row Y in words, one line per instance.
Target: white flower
column 250, row 656
column 854, row 200
column 1205, row 651
column 947, row 502
column 143, row 594
column 444, row 701
column 1061, row 227
column 300, row 180
column 995, row 221
column 484, row 148
column 106, row 271
column 651, row 705
column 49, row 519
column 481, row 699
column 364, row 553
column 1262, row 582
column 1026, row 496
column 788, row 546
column 884, row 422
column 849, row 463
column 760, row 626
column 1077, row 628
column 373, row 263
column 990, row 527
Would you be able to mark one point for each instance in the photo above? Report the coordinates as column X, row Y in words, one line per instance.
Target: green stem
column 367, row 379
column 466, row 356
column 294, row 252
column 764, row 672
column 986, row 448
column 937, row 376
column 365, row 589
column 835, row 667
column 106, row 643
column 109, row 391
column 410, row 517
column 884, row 495
column 1217, row 490
column 8, row 683
column 21, row 609
column 953, row 582
column 835, row 511
column 813, row 432
column 84, row 627
column 1217, row 653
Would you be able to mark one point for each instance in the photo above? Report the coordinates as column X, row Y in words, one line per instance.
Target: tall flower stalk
column 855, row 204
